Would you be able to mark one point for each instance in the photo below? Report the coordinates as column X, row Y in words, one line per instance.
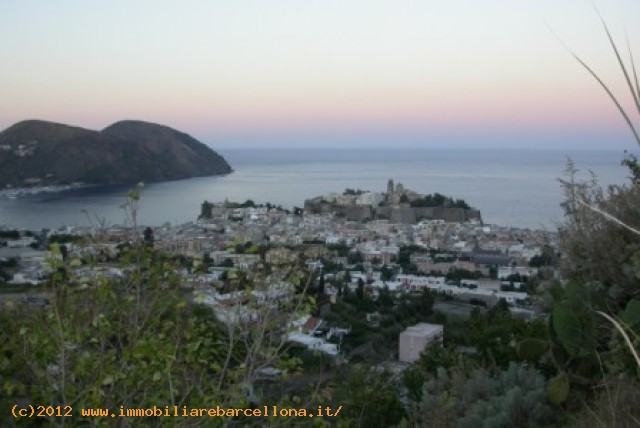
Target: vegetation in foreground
column 140, row 341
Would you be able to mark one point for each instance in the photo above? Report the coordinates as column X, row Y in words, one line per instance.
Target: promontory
column 398, row 205
column 41, row 153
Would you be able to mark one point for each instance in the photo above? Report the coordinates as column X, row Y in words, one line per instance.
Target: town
column 468, row 263
column 335, row 291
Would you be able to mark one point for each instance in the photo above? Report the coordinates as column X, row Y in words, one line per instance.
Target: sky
column 328, row 73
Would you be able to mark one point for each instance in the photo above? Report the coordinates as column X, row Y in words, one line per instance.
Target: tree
column 206, row 210
column 439, row 200
column 354, row 192
column 595, row 249
column 321, row 284
column 10, row 234
column 64, row 251
column 148, row 236
column 369, row 398
column 516, row 396
column 142, row 340
column 137, row 344
column 355, row 257
column 347, row 277
column 547, row 258
column 386, row 273
column 360, row 289
column 385, row 300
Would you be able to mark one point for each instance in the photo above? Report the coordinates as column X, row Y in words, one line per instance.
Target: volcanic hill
column 36, row 152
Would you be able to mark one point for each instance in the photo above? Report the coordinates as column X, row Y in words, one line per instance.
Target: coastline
column 19, row 192
column 515, row 189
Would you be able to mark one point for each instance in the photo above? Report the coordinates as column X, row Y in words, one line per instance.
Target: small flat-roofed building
column 416, row 339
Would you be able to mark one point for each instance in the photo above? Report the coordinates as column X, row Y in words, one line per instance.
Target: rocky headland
column 36, row 153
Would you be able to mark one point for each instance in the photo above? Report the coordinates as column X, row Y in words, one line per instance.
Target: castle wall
column 395, row 212
column 357, row 212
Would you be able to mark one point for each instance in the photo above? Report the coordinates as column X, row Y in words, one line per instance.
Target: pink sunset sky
column 246, row 73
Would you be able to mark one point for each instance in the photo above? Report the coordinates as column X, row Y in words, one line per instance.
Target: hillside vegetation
column 36, row 152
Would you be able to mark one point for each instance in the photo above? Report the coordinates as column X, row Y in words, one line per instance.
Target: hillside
column 36, row 152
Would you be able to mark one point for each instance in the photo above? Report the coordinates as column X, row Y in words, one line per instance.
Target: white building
column 416, row 339
column 370, row 198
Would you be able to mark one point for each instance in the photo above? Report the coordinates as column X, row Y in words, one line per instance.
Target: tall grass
column 628, row 71
column 631, row 78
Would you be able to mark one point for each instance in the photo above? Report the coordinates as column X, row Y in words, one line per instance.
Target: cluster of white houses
column 488, row 291
column 447, row 246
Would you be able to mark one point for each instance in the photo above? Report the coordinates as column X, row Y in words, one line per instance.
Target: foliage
column 135, row 343
column 386, row 273
column 385, row 299
column 355, row 257
column 595, row 249
column 206, row 209
column 148, row 236
column 434, row 358
column 354, row 192
column 246, row 204
column 616, row 404
column 414, row 308
column 227, row 262
column 248, row 247
column 404, row 254
column 341, row 249
column 10, row 234
column 360, row 289
column 601, row 265
column 321, row 284
column 515, row 396
column 438, row 200
column 458, row 274
column 497, row 338
column 65, row 239
column 631, row 162
column 546, row 258
column 142, row 339
column 369, row 398
column 5, row 266
column 595, row 310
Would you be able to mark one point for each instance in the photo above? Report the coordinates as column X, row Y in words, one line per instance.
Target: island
column 41, row 153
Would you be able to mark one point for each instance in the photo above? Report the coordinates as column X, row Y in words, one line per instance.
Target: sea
column 511, row 187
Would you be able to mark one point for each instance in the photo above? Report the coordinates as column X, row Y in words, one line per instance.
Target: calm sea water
column 511, row 187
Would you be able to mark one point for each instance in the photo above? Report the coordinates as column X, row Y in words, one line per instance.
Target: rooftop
column 423, row 329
